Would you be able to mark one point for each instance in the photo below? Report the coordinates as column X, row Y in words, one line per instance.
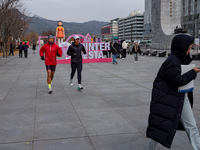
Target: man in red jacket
column 51, row 50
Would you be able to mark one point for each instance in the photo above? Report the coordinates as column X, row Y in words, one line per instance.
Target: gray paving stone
column 13, row 120
column 59, row 130
column 17, row 110
column 16, row 134
column 104, row 121
column 3, row 95
column 134, row 141
column 136, row 112
column 16, row 146
column 64, row 144
column 19, row 102
column 52, row 117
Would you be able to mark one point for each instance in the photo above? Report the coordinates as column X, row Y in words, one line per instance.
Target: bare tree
column 11, row 21
column 32, row 37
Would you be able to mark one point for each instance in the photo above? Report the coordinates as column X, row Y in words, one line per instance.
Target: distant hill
column 39, row 24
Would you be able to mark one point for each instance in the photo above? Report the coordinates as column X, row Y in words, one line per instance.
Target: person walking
column 51, row 50
column 124, row 47
column 11, row 50
column 119, row 47
column 136, row 50
column 114, row 49
column 25, row 48
column 75, row 51
column 20, row 47
column 169, row 109
column 34, row 48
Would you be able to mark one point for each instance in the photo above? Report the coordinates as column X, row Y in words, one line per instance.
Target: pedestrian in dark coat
column 135, row 51
column 114, row 49
column 11, row 50
column 34, row 48
column 25, row 48
column 168, row 107
column 20, row 47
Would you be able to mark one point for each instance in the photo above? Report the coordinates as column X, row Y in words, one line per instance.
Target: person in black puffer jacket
column 170, row 109
column 114, row 49
column 76, row 59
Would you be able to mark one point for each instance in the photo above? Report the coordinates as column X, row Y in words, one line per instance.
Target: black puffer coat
column 167, row 104
column 75, row 52
column 114, row 49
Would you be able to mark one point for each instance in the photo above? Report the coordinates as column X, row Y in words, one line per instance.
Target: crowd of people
column 23, row 48
column 119, row 50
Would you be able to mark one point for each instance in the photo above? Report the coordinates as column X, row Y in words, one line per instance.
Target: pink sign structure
column 94, row 50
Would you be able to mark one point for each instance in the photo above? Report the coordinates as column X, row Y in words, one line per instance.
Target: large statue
column 165, row 17
column 60, row 32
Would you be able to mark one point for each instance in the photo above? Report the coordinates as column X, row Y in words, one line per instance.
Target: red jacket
column 50, row 51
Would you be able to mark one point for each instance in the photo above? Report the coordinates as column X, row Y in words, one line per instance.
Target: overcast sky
column 83, row 10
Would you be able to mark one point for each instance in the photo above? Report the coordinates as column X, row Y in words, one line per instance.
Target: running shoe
column 80, row 87
column 71, row 82
column 50, row 90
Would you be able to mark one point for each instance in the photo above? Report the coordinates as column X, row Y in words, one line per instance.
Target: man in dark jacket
column 25, row 48
column 76, row 60
column 169, row 107
column 20, row 47
column 11, row 49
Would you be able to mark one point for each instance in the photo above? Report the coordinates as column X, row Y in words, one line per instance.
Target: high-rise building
column 190, row 16
column 128, row 28
column 109, row 31
column 147, row 20
column 131, row 27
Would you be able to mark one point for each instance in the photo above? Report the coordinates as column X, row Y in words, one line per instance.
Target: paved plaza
column 109, row 114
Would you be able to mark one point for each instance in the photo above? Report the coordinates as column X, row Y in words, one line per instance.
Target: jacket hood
column 180, row 46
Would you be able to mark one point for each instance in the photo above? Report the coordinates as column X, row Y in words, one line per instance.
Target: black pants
column 79, row 67
column 20, row 53
column 124, row 53
column 26, row 53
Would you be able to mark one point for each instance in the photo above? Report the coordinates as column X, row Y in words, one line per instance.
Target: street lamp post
column 20, row 34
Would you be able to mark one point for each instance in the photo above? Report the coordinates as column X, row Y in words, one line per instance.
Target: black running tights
column 79, row 67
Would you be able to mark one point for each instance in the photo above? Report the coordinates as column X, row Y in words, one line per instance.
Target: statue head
column 60, row 23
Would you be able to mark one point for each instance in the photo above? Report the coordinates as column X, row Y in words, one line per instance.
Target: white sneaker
column 71, row 82
column 135, row 61
column 50, row 90
column 122, row 58
column 80, row 87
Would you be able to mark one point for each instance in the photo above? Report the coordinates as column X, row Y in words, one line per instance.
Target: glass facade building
column 190, row 16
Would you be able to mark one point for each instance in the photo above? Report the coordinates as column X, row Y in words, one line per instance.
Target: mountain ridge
column 39, row 24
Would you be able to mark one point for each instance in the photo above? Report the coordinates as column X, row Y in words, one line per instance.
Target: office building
column 147, row 34
column 190, row 16
column 109, row 31
column 131, row 27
